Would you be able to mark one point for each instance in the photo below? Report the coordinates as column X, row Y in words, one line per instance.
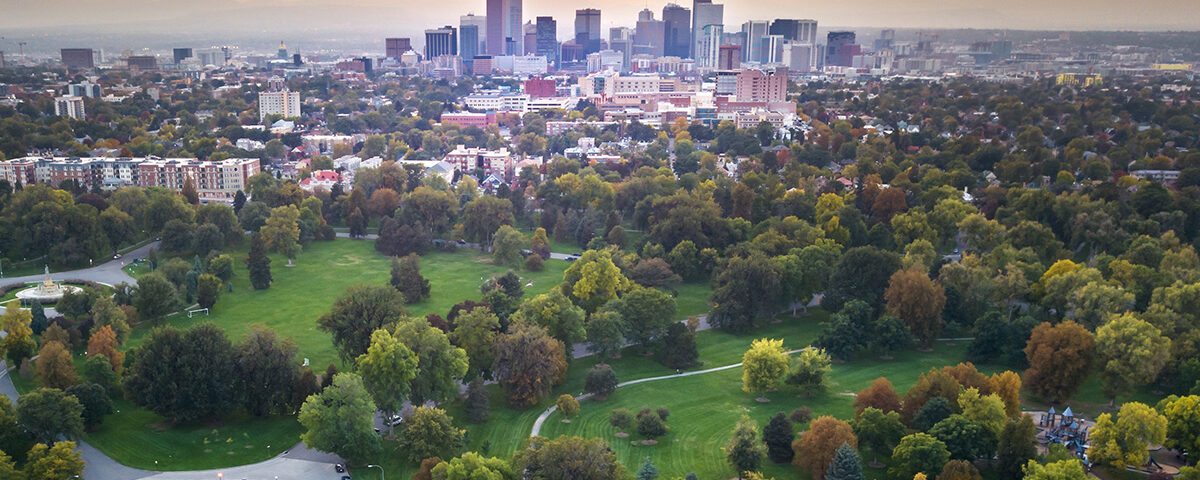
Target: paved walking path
column 537, row 424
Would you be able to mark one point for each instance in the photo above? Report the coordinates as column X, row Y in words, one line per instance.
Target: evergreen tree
column 648, row 470
column 778, row 436
column 744, row 451
column 679, row 347
column 845, row 466
column 406, row 277
column 39, row 323
column 239, row 200
column 1018, row 445
column 259, row 264
column 477, row 406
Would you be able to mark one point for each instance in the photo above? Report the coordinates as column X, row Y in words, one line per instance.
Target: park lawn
column 138, row 438
column 704, row 409
column 323, row 271
column 691, row 299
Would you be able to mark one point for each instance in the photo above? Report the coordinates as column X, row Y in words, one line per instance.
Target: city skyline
column 409, row 19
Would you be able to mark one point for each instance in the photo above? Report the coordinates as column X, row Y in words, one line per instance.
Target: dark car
column 345, row 477
column 339, row 468
column 577, row 254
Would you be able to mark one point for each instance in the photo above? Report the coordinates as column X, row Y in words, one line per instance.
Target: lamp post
column 382, row 474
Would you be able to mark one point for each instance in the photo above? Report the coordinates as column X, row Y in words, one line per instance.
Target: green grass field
column 301, row 294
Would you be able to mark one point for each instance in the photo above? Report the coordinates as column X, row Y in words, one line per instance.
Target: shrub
column 601, row 381
column 621, row 418
column 534, row 263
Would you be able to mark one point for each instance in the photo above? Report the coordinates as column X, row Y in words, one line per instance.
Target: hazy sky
column 409, row 18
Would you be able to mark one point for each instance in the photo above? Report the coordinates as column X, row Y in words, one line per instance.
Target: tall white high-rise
column 708, row 50
column 284, row 103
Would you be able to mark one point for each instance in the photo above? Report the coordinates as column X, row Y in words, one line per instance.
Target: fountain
column 46, row 292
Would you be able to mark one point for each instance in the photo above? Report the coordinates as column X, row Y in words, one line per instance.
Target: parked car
column 339, row 468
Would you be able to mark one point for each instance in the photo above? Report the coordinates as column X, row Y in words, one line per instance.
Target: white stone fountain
column 46, row 292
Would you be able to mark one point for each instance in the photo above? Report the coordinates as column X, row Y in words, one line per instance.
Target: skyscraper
column 677, row 28
column 705, row 13
column 547, row 39
column 480, row 24
column 504, row 35
column 77, row 57
column 649, row 37
column 754, row 31
column 441, row 41
column 468, row 44
column 621, row 40
column 529, row 33
column 836, row 44
column 587, row 29
column 181, row 54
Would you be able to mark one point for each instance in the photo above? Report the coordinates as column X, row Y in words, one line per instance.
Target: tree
column 1061, row 470
column 477, row 404
column 917, row 300
column 506, row 246
column 18, row 343
column 744, row 451
column 601, row 381
column 1125, row 441
column 340, row 420
column 387, row 369
column 846, row 465
column 568, row 457
column 679, row 350
column 555, row 312
column 208, row 288
column 473, row 466
column 155, row 296
column 201, row 354
column 648, row 470
column 55, row 368
column 1183, row 423
column 594, row 279
column 357, row 223
column 567, row 404
column 429, row 432
column 266, row 372
column 620, row 418
column 890, row 335
column 38, row 321
column 964, row 438
column 605, row 333
column 96, row 369
column 440, row 365
column 986, row 410
column 407, row 279
column 1060, row 358
column 106, row 313
column 1007, row 386
column 879, row 430
column 653, row 272
column 482, row 216
column 475, row 332
column 1016, row 447
column 745, row 289
column 763, row 365
column 540, row 243
column 55, row 462
column 959, row 470
column 651, row 424
column 95, row 402
column 816, row 447
column 933, row 411
column 357, row 313
column 918, row 453
column 1131, row 353
column 529, row 362
column 808, row 370
column 880, row 395
column 282, row 231
column 258, row 263
column 863, row 273
column 8, row 468
column 646, row 313
column 778, row 437
column 47, row 413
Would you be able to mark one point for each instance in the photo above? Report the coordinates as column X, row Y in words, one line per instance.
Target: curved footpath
column 537, row 424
